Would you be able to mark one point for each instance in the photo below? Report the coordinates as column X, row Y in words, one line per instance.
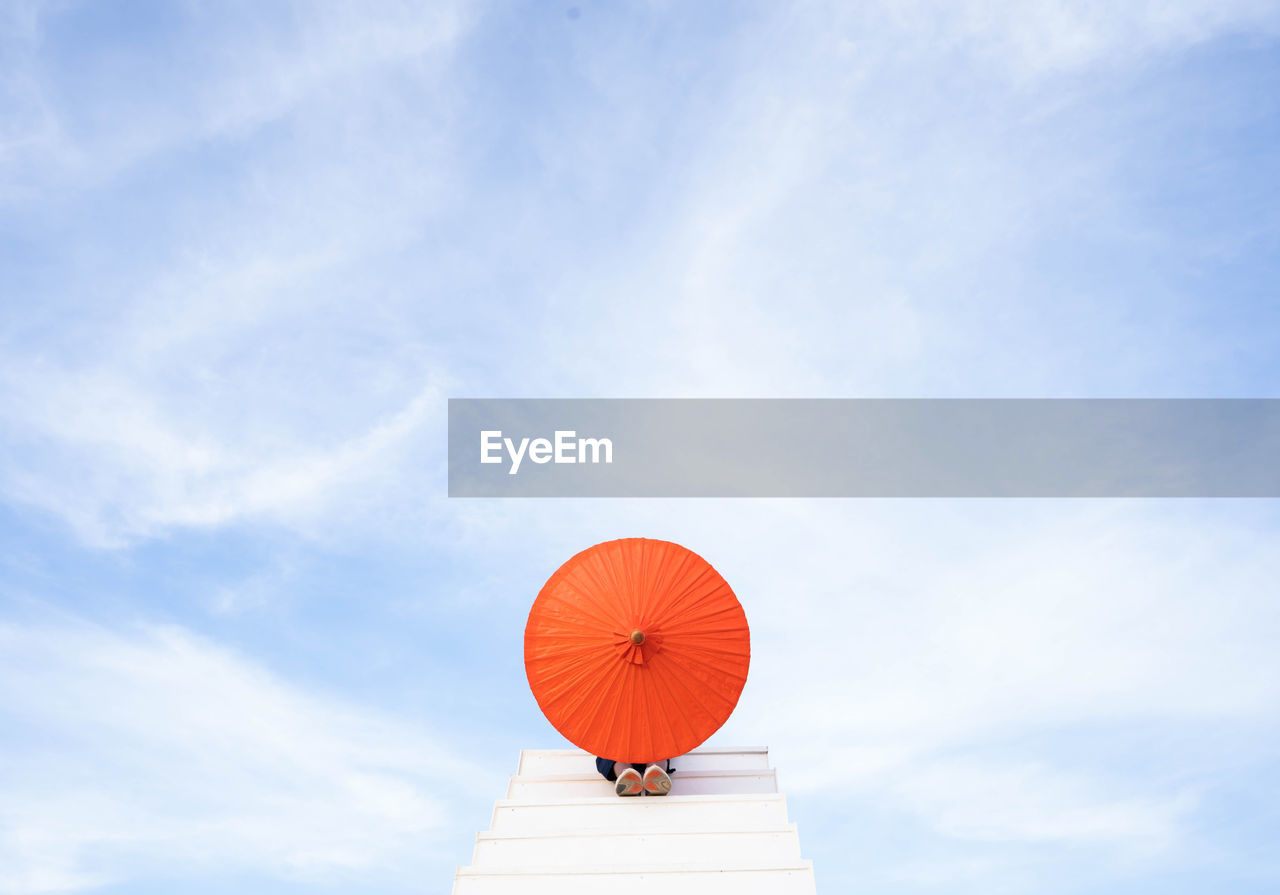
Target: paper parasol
column 637, row 650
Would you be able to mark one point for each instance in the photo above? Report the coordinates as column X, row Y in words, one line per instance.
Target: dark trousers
column 605, row 767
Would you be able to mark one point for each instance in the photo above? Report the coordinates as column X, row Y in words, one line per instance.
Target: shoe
column 629, row 783
column 657, row 782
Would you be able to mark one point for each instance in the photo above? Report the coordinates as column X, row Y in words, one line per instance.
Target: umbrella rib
column 683, row 706
column 676, row 739
column 706, row 672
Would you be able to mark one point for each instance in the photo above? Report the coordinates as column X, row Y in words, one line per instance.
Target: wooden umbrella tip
column 637, row 637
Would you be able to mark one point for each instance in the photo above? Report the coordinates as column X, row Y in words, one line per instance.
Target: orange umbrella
column 637, row 650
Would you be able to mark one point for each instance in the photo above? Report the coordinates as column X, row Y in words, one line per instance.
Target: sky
column 249, row 250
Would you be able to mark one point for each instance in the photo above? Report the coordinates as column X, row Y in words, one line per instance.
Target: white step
column 729, row 851
column 794, row 880
column 562, row 831
column 545, row 762
column 677, row 814
column 683, row 782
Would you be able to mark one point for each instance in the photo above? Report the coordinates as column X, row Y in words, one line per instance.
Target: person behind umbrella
column 634, row 779
column 609, row 647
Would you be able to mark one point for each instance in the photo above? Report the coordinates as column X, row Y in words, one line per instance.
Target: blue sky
column 248, row 250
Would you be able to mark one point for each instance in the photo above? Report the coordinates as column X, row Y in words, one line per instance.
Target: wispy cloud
column 824, row 223
column 193, row 378
column 103, row 457
column 867, row 197
column 155, row 750
column 1027, row 802
column 221, row 73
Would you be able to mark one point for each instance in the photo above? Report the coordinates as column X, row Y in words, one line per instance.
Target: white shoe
column 657, row 782
column 629, row 783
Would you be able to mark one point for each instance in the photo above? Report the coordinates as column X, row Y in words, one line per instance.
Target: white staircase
column 560, row 829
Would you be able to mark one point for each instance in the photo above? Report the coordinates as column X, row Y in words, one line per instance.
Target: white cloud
column 236, row 357
column 998, row 671
column 1028, row 802
column 225, row 72
column 858, row 199
column 158, row 749
column 105, row 455
column 1036, row 38
column 816, row 210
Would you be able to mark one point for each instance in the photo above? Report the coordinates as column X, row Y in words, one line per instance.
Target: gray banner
column 864, row 448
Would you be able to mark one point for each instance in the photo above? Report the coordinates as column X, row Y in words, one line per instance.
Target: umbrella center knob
column 637, row 637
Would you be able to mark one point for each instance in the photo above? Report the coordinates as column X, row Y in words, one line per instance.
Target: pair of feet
column 655, row 782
